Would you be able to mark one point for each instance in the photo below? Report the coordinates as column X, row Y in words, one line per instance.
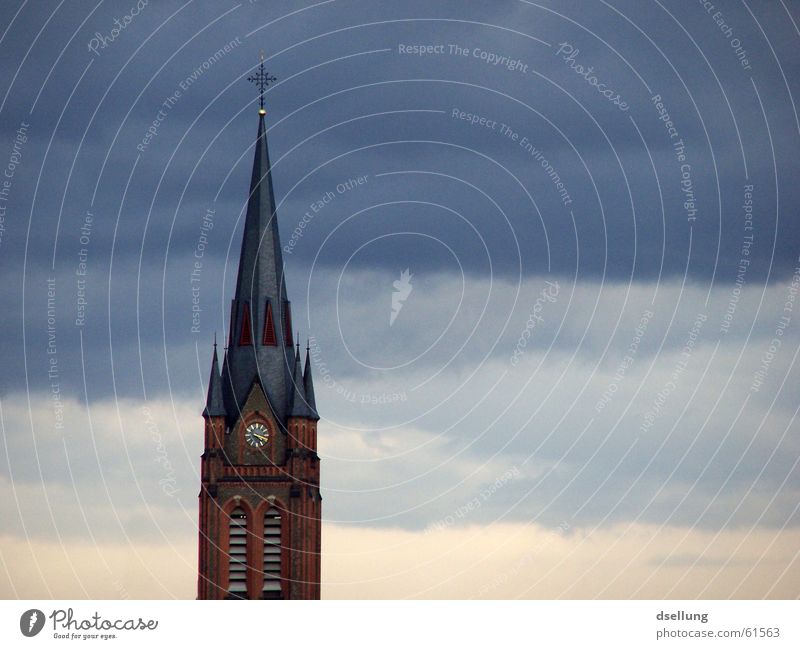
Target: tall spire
column 261, row 260
column 252, row 354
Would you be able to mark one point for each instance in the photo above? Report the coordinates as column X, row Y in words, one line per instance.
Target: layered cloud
column 609, row 429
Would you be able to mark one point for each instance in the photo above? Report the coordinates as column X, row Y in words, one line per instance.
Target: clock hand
column 261, row 437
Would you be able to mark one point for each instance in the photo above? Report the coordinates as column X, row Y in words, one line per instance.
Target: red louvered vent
column 269, row 328
column 287, row 324
column 246, row 336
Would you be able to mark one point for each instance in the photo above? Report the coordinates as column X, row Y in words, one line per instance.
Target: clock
column 256, row 435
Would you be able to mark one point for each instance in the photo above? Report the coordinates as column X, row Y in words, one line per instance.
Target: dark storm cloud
column 205, row 109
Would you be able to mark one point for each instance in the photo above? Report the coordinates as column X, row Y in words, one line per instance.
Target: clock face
column 256, row 435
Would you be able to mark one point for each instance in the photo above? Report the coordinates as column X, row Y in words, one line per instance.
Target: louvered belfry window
column 246, row 336
column 237, row 566
column 269, row 328
column 272, row 551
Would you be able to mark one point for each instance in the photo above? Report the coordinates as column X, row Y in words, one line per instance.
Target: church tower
column 260, row 505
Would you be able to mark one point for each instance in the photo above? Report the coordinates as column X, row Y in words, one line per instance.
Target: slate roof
column 308, row 386
column 300, row 405
column 260, row 280
column 214, row 403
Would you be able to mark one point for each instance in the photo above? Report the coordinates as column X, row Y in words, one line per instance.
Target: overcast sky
column 591, row 368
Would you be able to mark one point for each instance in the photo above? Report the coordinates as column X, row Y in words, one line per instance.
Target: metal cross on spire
column 262, row 79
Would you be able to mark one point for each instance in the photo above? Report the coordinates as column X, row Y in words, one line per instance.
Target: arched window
column 237, row 565
column 272, row 551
